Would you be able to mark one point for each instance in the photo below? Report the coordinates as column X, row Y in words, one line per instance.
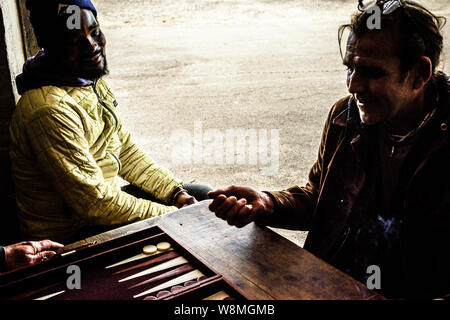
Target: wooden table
column 263, row 264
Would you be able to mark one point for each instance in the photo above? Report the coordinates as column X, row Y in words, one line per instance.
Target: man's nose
column 355, row 83
column 91, row 44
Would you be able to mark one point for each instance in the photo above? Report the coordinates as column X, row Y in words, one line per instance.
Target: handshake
column 240, row 205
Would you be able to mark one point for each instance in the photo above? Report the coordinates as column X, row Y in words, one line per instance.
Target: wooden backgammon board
column 223, row 262
column 145, row 265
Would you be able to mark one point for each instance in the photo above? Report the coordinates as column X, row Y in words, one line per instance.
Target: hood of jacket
column 38, row 71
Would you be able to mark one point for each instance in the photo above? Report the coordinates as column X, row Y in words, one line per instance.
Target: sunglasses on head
column 387, row 6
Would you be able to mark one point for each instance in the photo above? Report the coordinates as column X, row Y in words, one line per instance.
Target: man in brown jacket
column 379, row 192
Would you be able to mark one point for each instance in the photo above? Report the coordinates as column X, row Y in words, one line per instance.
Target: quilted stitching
column 64, row 152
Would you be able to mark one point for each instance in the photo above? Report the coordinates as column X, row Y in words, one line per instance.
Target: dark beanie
column 45, row 15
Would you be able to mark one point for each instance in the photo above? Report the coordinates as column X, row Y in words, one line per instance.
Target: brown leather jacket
column 323, row 206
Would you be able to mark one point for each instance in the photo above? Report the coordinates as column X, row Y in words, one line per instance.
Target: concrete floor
column 189, row 73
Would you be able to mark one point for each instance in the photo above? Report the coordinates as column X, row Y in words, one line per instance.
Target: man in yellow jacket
column 69, row 146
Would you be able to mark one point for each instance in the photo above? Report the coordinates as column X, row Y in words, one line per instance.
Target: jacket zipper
column 118, row 161
column 94, row 85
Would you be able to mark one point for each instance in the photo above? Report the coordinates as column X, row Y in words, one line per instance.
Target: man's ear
column 424, row 72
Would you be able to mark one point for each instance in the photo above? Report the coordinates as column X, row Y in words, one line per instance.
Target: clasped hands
column 240, row 205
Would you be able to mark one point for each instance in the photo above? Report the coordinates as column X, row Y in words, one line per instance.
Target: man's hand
column 183, row 199
column 29, row 252
column 240, row 205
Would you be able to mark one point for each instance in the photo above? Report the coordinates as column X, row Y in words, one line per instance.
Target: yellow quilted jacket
column 68, row 150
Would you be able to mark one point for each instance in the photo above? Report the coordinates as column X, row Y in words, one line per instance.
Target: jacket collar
column 341, row 119
column 39, row 71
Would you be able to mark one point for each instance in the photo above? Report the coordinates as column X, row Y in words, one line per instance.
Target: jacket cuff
column 169, row 190
column 275, row 196
column 268, row 220
column 175, row 194
column 2, row 258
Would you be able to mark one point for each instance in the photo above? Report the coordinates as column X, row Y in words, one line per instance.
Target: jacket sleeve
column 294, row 207
column 62, row 152
column 141, row 171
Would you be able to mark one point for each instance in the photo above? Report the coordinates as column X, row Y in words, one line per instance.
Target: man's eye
column 373, row 73
column 378, row 74
column 97, row 32
column 72, row 41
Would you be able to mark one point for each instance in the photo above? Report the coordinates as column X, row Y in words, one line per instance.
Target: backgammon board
column 145, row 265
column 223, row 262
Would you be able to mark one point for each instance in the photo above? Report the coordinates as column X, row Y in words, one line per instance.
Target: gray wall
column 11, row 60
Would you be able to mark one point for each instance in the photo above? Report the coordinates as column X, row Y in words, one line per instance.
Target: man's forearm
column 145, row 174
column 140, row 170
column 292, row 209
